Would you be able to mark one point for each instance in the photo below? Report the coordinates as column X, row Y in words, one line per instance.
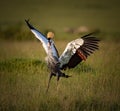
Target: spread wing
column 78, row 50
column 43, row 39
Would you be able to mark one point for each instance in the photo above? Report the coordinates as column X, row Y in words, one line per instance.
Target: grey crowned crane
column 75, row 52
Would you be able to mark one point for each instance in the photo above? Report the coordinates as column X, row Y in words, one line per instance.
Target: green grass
column 57, row 15
column 94, row 85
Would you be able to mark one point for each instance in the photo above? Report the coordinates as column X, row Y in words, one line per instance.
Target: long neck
column 49, row 45
column 49, row 41
column 51, row 48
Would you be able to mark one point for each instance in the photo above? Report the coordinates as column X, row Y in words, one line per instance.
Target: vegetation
column 94, row 85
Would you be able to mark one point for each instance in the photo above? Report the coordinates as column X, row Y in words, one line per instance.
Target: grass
column 94, row 85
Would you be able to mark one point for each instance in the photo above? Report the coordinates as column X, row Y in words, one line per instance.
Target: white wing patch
column 54, row 50
column 70, row 50
column 39, row 36
column 44, row 41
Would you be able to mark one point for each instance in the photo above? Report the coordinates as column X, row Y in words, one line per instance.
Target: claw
column 67, row 76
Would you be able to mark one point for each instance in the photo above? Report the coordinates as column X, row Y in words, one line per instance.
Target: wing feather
column 43, row 39
column 78, row 50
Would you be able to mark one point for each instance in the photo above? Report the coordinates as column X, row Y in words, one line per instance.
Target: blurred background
column 94, row 85
column 64, row 16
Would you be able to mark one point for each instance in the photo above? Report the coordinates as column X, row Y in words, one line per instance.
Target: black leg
column 51, row 74
column 58, row 78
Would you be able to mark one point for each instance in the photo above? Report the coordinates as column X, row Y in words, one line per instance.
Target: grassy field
column 94, row 85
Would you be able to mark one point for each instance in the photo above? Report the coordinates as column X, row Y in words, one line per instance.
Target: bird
column 75, row 52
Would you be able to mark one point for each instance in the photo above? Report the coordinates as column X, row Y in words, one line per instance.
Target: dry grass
column 94, row 85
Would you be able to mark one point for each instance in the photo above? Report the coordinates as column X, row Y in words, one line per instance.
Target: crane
column 76, row 51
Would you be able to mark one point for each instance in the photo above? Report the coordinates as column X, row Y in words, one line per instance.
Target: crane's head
column 50, row 35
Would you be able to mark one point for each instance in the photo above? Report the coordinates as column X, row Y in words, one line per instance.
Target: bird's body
column 75, row 51
column 52, row 60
